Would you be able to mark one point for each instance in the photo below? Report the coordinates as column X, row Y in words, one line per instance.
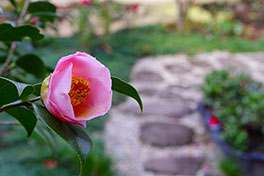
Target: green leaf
column 11, row 91
column 75, row 135
column 23, row 89
column 31, row 63
column 3, row 56
column 13, row 2
column 46, row 11
column 41, row 6
column 10, row 33
column 122, row 87
column 46, row 16
column 37, row 88
column 25, row 117
column 47, row 136
column 8, row 91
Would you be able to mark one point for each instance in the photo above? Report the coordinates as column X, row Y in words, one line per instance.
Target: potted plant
column 233, row 111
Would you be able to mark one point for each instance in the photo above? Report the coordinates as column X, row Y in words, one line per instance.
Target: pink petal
column 60, row 85
column 98, row 102
column 62, row 118
column 86, row 66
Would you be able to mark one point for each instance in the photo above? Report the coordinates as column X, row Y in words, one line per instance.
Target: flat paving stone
column 210, row 174
column 172, row 95
column 177, row 69
column 147, row 91
column 230, row 62
column 201, row 64
column 147, row 76
column 160, row 109
column 259, row 57
column 179, row 86
column 165, row 134
column 173, row 166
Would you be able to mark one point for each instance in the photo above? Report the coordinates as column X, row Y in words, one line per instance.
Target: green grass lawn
column 24, row 157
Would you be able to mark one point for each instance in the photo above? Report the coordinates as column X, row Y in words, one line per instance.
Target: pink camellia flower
column 132, row 7
column 50, row 164
column 213, row 121
column 214, row 124
column 34, row 20
column 86, row 2
column 78, row 90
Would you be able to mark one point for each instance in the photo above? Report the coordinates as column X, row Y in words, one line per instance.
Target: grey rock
column 147, row 91
column 259, row 57
column 160, row 109
column 257, row 168
column 165, row 134
column 147, row 76
column 179, row 165
column 173, row 96
column 210, row 174
column 231, row 62
column 177, row 69
column 179, row 86
column 201, row 64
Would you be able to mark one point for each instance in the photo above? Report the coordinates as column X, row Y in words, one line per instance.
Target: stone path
column 169, row 137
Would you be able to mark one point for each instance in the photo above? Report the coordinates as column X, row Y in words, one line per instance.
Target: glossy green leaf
column 46, row 16
column 23, row 89
column 48, row 136
column 41, row 6
column 13, row 2
column 25, row 117
column 31, row 63
column 122, row 87
column 46, row 11
column 8, row 91
column 75, row 135
column 37, row 88
column 11, row 91
column 3, row 56
column 10, row 33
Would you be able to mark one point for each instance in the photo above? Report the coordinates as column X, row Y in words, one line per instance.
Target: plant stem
column 19, row 104
column 23, row 13
column 13, row 44
column 9, row 58
column 9, row 123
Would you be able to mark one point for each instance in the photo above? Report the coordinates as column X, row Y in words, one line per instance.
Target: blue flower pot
column 252, row 163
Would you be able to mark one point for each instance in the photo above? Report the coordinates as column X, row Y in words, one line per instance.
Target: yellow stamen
column 79, row 90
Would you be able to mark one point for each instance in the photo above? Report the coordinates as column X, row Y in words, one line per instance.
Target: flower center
column 79, row 90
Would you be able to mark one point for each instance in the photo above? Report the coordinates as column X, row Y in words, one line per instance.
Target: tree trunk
column 183, row 7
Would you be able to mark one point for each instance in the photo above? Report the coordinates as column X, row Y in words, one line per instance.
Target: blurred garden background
column 165, row 48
